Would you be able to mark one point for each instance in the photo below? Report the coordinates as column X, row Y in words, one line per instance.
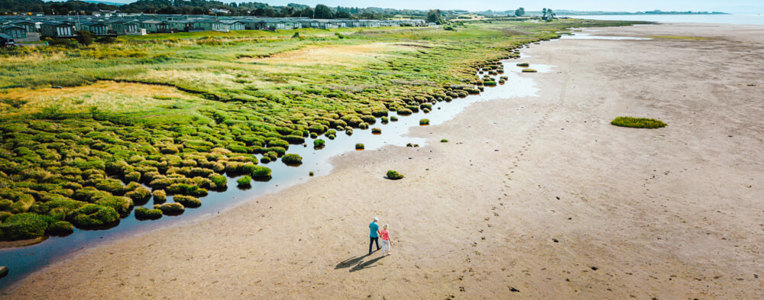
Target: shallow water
column 589, row 36
column 22, row 261
column 749, row 19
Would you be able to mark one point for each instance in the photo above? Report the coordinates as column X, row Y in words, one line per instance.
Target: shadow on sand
column 357, row 263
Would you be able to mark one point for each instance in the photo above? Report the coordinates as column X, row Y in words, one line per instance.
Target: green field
column 82, row 126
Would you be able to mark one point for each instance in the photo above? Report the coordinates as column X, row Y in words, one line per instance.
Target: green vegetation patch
column 244, row 182
column 292, row 159
column 142, row 213
column 637, row 122
column 84, row 128
column 394, row 175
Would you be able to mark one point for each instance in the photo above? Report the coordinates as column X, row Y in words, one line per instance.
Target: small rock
column 461, row 289
column 555, row 240
column 594, row 268
column 514, row 290
column 3, row 271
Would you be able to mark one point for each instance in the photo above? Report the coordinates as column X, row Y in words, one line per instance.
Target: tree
column 543, row 16
column 433, row 16
column 84, row 37
column 323, row 12
column 520, row 12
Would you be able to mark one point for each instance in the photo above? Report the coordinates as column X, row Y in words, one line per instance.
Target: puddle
column 22, row 261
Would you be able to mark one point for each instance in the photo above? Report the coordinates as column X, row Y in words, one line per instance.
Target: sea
column 747, row 19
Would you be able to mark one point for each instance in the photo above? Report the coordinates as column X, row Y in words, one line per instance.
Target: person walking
column 374, row 234
column 385, row 235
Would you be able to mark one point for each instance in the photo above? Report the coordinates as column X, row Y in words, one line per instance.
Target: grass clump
column 444, row 141
column 292, row 159
column 529, row 71
column 424, row 122
column 24, row 226
column 244, row 182
column 187, row 201
column 172, row 209
column 60, row 228
column 92, row 216
column 637, row 122
column 261, row 173
column 376, row 130
column 319, row 143
column 524, row 65
column 359, row 146
column 394, row 175
column 142, row 213
column 160, row 196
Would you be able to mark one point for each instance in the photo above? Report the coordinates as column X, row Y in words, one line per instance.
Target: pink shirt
column 385, row 234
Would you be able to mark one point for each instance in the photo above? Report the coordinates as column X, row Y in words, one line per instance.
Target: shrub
column 489, row 83
column 363, row 126
column 349, row 131
column 319, row 143
column 524, row 65
column 24, row 226
column 159, row 196
column 393, row 175
column 84, row 37
column 142, row 213
column 376, row 130
column 187, row 201
column 385, row 120
column 92, row 216
column 393, row 118
column 311, row 174
column 529, row 71
column 292, row 160
column 60, row 228
column 261, row 173
column 244, row 181
column 265, row 159
column 424, row 122
column 359, row 146
column 444, row 141
column 172, row 209
column 637, row 122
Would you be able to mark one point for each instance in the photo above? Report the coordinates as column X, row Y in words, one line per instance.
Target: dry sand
column 537, row 194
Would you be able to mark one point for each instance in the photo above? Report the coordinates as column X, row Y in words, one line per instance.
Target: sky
column 730, row 6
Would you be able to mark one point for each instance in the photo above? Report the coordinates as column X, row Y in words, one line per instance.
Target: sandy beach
column 536, row 197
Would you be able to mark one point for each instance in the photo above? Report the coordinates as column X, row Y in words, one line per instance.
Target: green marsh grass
column 637, row 122
column 178, row 111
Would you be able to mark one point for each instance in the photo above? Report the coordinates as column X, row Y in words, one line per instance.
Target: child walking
column 385, row 235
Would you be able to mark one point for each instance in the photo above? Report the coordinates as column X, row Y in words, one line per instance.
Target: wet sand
column 535, row 197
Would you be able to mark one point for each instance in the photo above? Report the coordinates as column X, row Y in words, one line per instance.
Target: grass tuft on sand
column 633, row 122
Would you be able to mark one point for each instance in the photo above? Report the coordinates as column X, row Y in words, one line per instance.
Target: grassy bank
column 83, row 127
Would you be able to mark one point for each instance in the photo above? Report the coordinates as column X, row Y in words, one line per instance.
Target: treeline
column 51, row 8
column 204, row 7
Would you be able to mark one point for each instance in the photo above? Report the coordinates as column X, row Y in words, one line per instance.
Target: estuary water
column 751, row 19
column 25, row 260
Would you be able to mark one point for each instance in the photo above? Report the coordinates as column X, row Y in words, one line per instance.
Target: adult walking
column 374, row 234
